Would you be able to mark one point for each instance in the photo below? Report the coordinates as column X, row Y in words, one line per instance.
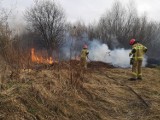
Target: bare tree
column 48, row 19
column 112, row 24
column 121, row 24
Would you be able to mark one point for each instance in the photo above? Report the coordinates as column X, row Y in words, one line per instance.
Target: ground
column 59, row 92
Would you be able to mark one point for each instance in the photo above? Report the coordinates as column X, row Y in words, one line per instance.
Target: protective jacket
column 138, row 51
column 84, row 53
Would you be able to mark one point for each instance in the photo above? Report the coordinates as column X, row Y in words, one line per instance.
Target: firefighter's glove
column 87, row 53
column 145, row 50
column 130, row 54
column 131, row 61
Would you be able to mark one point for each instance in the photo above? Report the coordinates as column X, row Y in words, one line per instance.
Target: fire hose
column 89, row 58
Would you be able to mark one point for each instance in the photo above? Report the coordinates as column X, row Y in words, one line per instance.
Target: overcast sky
column 87, row 10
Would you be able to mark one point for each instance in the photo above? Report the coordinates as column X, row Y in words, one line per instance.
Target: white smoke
column 97, row 52
column 117, row 57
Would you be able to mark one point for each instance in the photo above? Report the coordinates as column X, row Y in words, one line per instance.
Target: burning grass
column 103, row 93
column 41, row 59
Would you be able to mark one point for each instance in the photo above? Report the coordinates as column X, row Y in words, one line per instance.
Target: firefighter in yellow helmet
column 137, row 53
column 84, row 55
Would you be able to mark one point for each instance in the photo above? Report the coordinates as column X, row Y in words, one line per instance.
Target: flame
column 40, row 59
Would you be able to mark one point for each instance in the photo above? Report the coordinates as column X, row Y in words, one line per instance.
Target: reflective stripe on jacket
column 138, row 51
column 84, row 53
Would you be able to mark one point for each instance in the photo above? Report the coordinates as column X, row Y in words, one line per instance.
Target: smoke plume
column 97, row 52
column 116, row 57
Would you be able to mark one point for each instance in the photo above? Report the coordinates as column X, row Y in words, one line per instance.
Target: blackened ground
column 99, row 64
column 152, row 62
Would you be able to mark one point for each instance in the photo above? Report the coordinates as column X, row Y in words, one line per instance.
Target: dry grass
column 102, row 93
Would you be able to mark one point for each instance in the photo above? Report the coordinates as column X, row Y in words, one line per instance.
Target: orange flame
column 40, row 59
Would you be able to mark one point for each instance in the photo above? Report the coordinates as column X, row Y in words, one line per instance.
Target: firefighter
column 137, row 53
column 84, row 56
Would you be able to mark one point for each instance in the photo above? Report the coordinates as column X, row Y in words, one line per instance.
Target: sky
column 85, row 10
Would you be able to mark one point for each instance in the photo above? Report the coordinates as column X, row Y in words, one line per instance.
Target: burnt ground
column 60, row 92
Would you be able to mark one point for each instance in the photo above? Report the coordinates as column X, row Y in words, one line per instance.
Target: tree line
column 47, row 28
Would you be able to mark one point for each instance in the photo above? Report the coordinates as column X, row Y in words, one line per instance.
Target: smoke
column 73, row 46
column 116, row 57
column 97, row 52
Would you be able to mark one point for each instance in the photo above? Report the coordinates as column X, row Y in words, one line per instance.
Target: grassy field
column 61, row 93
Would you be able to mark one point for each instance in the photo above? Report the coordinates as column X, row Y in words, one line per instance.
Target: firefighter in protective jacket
column 137, row 53
column 84, row 55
